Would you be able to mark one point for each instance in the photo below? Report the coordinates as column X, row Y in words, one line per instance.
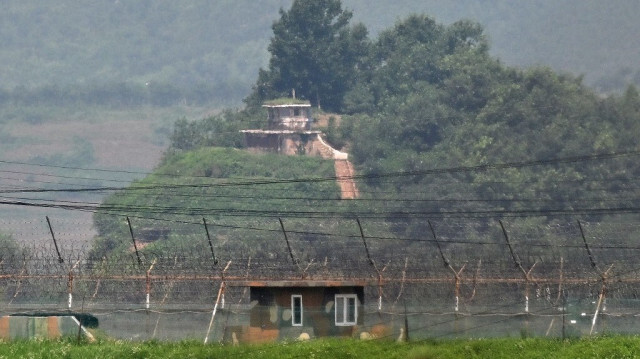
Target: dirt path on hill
column 344, row 174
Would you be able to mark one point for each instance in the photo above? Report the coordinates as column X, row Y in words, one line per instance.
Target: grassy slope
column 214, row 173
column 88, row 137
column 614, row 347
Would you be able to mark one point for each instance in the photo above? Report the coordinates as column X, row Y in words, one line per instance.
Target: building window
column 346, row 309
column 296, row 310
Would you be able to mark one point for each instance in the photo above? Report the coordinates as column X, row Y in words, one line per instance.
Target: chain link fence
column 459, row 279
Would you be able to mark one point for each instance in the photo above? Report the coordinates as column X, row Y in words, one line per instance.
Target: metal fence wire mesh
column 461, row 279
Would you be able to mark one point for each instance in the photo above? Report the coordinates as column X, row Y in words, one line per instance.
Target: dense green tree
column 315, row 51
column 221, row 130
column 220, row 45
column 431, row 117
column 417, row 54
column 422, row 79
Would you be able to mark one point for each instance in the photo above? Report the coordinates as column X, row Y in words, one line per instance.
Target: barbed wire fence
column 461, row 278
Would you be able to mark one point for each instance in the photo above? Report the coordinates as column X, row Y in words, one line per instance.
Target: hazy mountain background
column 211, row 50
column 593, row 38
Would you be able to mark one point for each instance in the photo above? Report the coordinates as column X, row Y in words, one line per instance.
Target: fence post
column 19, row 285
column 603, row 278
column 400, row 292
column 557, row 301
column 294, row 260
column 456, row 274
column 164, row 298
column 404, row 336
column 564, row 316
column 55, row 243
column 70, row 285
column 70, row 290
column 206, row 228
column 133, row 239
column 95, row 292
column 601, row 297
column 286, row 238
column 215, row 307
column 516, row 260
column 148, row 284
column 372, row 263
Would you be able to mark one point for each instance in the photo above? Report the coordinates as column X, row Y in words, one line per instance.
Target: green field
column 602, row 347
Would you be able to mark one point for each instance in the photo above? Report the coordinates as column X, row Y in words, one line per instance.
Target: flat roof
column 282, row 132
column 300, row 283
column 289, row 105
column 286, row 102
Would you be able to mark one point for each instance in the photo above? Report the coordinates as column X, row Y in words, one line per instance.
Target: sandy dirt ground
column 119, row 142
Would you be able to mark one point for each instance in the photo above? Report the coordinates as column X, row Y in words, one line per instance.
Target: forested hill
column 437, row 128
column 199, row 51
column 195, row 49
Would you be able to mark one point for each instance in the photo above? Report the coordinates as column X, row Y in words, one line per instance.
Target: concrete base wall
column 53, row 327
column 288, row 143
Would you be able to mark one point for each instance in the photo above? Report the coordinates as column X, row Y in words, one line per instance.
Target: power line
column 450, row 170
